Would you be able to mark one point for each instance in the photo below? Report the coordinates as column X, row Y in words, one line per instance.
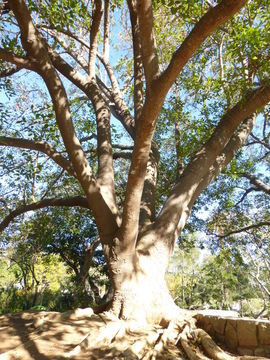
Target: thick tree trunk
column 140, row 290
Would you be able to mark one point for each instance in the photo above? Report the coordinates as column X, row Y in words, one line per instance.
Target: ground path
column 51, row 335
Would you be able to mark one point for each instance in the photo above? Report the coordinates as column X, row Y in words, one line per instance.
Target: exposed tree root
column 180, row 339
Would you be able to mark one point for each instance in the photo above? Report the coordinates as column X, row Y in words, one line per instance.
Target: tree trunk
column 140, row 290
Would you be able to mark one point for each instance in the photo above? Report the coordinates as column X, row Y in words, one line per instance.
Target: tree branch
column 106, row 37
column 146, row 30
column 155, row 95
column 177, row 140
column 76, row 56
column 19, row 61
column 207, row 24
column 35, row 45
column 245, row 195
column 210, row 160
column 258, row 141
column 122, row 155
column 90, row 88
column 96, row 19
column 9, row 72
column 67, row 202
column 119, row 109
column 225, row 157
column 257, row 182
column 41, row 146
column 202, row 161
column 120, row 106
column 246, row 228
column 137, row 56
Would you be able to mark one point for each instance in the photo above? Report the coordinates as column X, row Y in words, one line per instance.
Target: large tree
column 65, row 44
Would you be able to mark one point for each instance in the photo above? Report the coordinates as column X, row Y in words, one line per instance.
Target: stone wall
column 242, row 335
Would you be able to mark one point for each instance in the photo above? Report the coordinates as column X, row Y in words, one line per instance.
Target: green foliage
column 30, row 280
column 62, row 14
column 223, row 281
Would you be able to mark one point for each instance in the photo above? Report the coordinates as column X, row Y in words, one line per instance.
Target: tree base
column 128, row 339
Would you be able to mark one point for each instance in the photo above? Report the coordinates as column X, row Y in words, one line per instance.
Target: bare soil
column 78, row 334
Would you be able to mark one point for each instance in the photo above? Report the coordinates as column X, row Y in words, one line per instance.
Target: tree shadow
column 30, row 336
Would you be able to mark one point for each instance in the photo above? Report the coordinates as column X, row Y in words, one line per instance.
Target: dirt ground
column 71, row 335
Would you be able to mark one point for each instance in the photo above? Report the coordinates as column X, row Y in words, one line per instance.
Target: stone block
column 219, row 325
column 220, row 338
column 264, row 333
column 247, row 333
column 260, row 352
column 267, row 351
column 206, row 324
column 244, row 351
column 231, row 339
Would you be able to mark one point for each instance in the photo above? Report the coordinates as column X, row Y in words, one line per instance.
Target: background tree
column 73, row 237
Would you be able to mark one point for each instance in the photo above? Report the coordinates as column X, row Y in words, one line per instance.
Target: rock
column 245, row 351
column 38, row 322
column 219, row 313
column 267, row 351
column 219, row 325
column 246, row 331
column 259, row 352
column 264, row 333
column 220, row 338
column 231, row 335
column 81, row 313
column 205, row 322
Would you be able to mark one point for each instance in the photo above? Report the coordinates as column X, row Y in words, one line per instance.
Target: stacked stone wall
column 242, row 335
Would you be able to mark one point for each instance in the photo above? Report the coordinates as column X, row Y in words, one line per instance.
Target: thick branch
column 36, row 47
column 137, row 56
column 207, row 24
column 200, row 165
column 96, row 19
column 202, row 161
column 155, row 96
column 106, row 38
column 257, row 182
column 9, row 72
column 119, row 108
column 149, row 54
column 148, row 201
column 224, row 158
column 41, row 146
column 90, row 88
column 67, row 202
column 19, row 61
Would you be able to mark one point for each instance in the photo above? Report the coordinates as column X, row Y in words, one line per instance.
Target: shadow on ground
column 78, row 334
